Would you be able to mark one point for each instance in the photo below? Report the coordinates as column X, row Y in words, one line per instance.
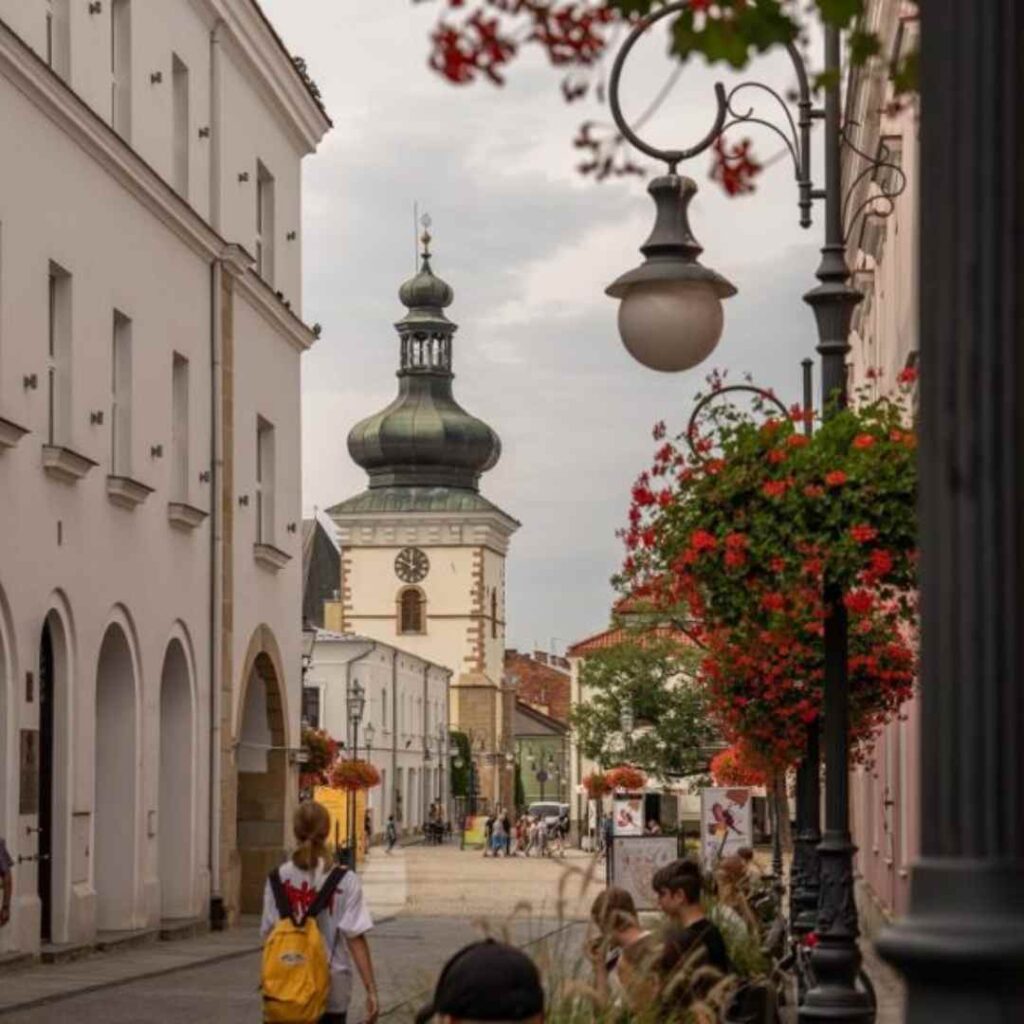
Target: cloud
column 529, row 247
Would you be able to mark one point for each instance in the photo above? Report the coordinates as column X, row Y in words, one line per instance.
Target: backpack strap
column 284, row 908
column 323, row 897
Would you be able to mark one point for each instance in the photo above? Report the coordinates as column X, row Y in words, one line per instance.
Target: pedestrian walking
column 498, row 835
column 506, row 825
column 391, row 833
column 487, row 981
column 367, row 829
column 6, row 883
column 488, row 834
column 306, row 886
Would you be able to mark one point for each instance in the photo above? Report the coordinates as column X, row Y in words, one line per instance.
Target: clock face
column 411, row 565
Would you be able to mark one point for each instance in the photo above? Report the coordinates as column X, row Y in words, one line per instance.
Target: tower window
column 412, row 607
column 494, row 614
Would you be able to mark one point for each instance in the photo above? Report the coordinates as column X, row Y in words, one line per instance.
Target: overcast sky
column 529, row 246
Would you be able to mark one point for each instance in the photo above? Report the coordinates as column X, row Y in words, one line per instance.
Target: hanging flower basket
column 596, row 784
column 354, row 775
column 626, row 777
column 737, row 766
column 321, row 752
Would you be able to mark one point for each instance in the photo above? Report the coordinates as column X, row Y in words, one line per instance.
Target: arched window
column 412, row 611
column 494, row 614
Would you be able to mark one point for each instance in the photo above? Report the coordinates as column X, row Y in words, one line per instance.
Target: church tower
column 423, row 551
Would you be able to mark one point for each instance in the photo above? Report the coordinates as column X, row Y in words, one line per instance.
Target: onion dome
column 424, row 438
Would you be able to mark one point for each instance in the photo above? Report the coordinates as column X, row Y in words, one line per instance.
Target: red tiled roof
column 618, row 635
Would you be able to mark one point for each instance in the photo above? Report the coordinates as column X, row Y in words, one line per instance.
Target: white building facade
column 883, row 250
column 422, row 550
column 403, row 731
column 150, row 343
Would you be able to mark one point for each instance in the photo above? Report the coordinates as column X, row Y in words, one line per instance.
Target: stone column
column 961, row 946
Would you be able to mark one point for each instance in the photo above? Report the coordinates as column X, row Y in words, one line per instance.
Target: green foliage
column 653, row 677
column 460, row 776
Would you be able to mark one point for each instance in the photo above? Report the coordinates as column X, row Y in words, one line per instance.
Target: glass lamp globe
column 670, row 311
column 671, row 325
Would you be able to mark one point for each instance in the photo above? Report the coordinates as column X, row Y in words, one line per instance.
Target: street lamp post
column 669, row 322
column 356, row 706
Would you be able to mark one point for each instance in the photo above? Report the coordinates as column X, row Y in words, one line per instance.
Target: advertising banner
column 725, row 823
column 628, row 814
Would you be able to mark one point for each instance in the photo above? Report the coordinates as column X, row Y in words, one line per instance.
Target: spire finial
column 425, row 238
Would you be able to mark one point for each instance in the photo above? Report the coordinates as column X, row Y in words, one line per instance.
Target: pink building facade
column 885, row 794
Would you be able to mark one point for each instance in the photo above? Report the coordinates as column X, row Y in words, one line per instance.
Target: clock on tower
column 411, row 565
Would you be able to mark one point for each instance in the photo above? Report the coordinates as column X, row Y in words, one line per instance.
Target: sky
column 528, row 246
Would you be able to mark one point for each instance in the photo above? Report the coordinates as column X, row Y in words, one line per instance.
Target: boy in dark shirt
column 678, row 888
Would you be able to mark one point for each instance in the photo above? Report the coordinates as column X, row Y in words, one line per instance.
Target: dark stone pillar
column 961, row 946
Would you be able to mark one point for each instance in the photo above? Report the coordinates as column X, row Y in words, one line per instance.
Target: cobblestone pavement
column 427, row 902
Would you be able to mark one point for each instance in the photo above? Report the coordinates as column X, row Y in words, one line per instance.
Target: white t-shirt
column 345, row 918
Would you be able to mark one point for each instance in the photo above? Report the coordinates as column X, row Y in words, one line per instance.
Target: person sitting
column 689, row 929
column 733, row 913
column 666, row 881
column 486, row 981
column 622, row 952
column 653, row 827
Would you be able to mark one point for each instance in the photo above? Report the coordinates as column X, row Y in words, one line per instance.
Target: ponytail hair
column 311, row 825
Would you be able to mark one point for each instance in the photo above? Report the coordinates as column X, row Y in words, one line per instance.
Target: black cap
column 487, row 981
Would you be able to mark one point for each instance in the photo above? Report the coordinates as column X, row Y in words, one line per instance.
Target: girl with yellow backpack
column 314, row 928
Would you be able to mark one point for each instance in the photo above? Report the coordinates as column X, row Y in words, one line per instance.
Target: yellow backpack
column 296, row 977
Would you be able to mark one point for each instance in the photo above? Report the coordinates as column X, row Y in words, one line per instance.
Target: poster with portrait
column 634, row 861
column 725, row 822
column 628, row 814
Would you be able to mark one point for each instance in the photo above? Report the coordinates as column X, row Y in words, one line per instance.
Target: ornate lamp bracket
column 795, row 133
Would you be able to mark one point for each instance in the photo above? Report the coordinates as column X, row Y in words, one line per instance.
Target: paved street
column 428, row 902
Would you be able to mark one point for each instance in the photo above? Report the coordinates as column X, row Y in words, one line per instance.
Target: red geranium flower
column 862, row 533
column 774, row 488
column 863, row 441
column 836, row 478
column 907, row 375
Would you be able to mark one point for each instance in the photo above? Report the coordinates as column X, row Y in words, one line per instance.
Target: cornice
column 37, row 82
column 31, row 76
column 274, row 311
column 254, row 40
column 491, row 530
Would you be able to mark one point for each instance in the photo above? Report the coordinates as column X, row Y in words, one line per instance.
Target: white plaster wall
column 394, row 748
column 448, row 588
column 266, row 384
column 66, row 546
column 248, row 136
column 106, row 555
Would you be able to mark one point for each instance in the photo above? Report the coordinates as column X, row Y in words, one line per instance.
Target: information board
column 634, row 861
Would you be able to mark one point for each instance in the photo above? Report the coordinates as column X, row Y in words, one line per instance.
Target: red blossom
column 862, row 441
column 814, row 491
column 701, row 540
column 908, row 375
column 836, row 478
column 798, row 440
column 774, row 488
column 860, row 602
column 881, row 562
column 862, row 533
column 775, row 456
